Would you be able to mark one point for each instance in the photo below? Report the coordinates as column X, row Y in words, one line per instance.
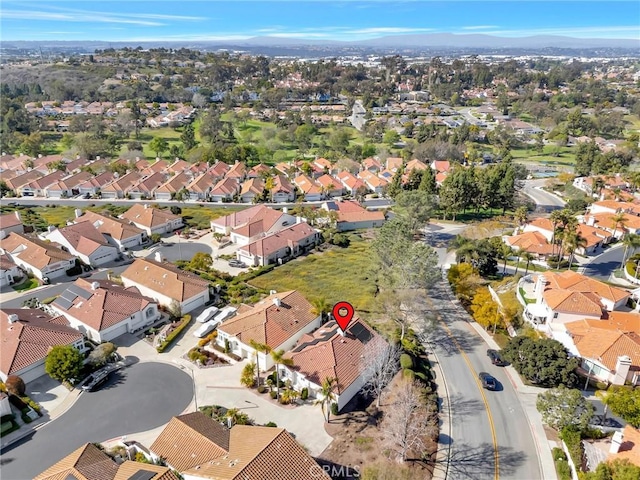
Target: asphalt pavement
column 138, row 398
column 602, row 266
column 544, row 200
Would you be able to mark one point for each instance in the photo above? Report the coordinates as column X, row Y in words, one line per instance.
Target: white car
column 226, row 312
column 207, row 314
column 205, row 329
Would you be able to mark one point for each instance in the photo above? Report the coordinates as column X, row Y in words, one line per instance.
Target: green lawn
column 339, row 274
column 200, row 216
column 28, row 284
column 567, row 156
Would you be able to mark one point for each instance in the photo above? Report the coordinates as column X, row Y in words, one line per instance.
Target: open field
column 335, row 275
column 566, row 158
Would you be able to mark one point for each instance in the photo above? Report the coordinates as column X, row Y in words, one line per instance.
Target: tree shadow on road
column 466, row 462
column 461, row 406
column 445, row 345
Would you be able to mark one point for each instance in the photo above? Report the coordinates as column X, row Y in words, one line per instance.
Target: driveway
column 140, row 397
column 602, row 266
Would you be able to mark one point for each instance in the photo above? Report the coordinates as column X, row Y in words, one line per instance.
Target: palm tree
column 528, row 256
column 262, row 348
column 570, row 228
column 556, row 218
column 320, row 308
column 505, row 252
column 618, row 219
column 327, row 396
column 278, row 359
column 520, row 215
column 631, row 241
column 573, row 241
column 598, row 185
column 518, row 252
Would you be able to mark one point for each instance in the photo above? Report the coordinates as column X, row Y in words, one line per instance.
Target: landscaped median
column 171, row 336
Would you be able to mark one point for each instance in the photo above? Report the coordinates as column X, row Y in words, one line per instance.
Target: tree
column 395, row 187
column 415, row 208
column 391, row 137
column 521, row 214
column 573, row 241
column 320, row 307
column 100, row 355
column 188, row 137
column 618, row 469
column 625, row 403
column 259, row 348
column 631, row 241
column 201, row 261
column 278, row 359
column 485, row 310
column 428, row 182
column 379, row 364
column 159, row 145
column 406, row 425
column 15, row 385
column 505, row 252
column 619, row 220
column 563, row 407
column 63, row 363
column 247, row 378
column 327, row 396
column 528, row 257
column 544, row 362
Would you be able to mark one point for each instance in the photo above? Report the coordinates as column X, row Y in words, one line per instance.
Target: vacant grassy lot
column 336, row 274
column 567, row 156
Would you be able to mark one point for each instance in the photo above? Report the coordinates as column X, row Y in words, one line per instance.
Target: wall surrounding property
column 346, row 226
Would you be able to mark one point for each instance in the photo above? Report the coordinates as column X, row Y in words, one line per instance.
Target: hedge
column 406, row 361
column 573, row 440
column 186, row 320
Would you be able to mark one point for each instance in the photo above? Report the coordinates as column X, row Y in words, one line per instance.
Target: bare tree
column 379, row 364
column 407, row 308
column 406, row 425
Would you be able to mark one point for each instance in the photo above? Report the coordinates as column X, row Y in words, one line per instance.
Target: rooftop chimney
column 13, row 318
column 272, row 292
column 159, row 257
column 277, row 302
column 95, row 285
column 78, row 212
column 616, row 442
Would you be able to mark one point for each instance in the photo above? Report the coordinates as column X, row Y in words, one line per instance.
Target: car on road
column 495, row 358
column 487, row 381
column 96, row 380
column 237, row 264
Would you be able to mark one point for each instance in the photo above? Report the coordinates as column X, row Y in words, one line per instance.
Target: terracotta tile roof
column 98, row 181
column 307, row 185
column 630, row 448
column 394, row 163
column 265, row 246
column 202, row 183
column 103, row 307
column 28, row 340
column 372, row 180
column 148, row 216
column 327, row 354
column 84, row 237
column 219, row 169
column 190, row 440
column 576, row 282
column 350, row 181
column 265, row 453
column 226, row 186
column 178, row 166
column 6, row 263
column 34, row 251
column 123, row 183
column 175, row 183
column 157, row 166
column 271, row 324
column 415, row 164
column 533, row 242
column 259, row 169
column 253, row 185
column 542, row 223
column 323, row 163
column 9, row 220
column 165, row 278
column 47, row 180
column 128, row 469
column 281, row 184
column 86, row 463
column 329, row 183
column 237, row 171
column 573, row 302
column 603, row 344
column 441, row 166
column 115, row 227
column 148, row 185
column 237, row 219
column 605, row 220
column 20, row 180
column 74, row 181
column 613, row 205
column 440, row 177
column 371, row 163
column 352, row 211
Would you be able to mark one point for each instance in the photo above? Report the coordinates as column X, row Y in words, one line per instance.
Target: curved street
column 138, row 398
column 545, row 201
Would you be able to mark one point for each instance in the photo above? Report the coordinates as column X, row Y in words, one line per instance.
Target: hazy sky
column 321, row 19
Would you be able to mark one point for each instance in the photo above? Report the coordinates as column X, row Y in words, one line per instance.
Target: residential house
column 283, row 190
column 200, row 448
column 44, row 260
column 225, row 190
column 567, row 296
column 373, row 182
column 416, row 164
column 94, row 185
column 629, row 223
column 441, row 166
column 167, row 284
column 393, row 164
column 543, row 226
column 67, row 187
column 14, row 183
column 326, row 166
column 625, row 445
column 120, row 186
column 259, row 171
column 278, row 321
column 27, row 336
column 311, row 190
column 103, row 310
column 169, row 189
column 146, row 187
column 91, row 463
column 120, row 233
column 152, row 220
column 330, row 186
column 147, row 168
column 178, row 166
column 219, row 170
column 37, row 187
column 237, row 172
column 328, row 353
column 351, row 215
column 372, row 165
column 245, row 226
column 200, row 187
column 533, row 242
column 280, row 246
column 84, row 241
column 10, row 223
column 351, row 183
column 612, row 206
column 9, row 272
column 252, row 190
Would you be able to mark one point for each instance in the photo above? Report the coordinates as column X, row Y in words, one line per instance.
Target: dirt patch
column 358, row 442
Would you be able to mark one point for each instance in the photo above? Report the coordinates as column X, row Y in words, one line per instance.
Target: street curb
column 443, row 452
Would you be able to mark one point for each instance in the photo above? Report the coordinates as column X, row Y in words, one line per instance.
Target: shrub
column 32, row 404
column 408, row 374
column 563, row 469
column 209, row 338
column 48, row 300
column 25, row 417
column 186, row 320
column 155, row 237
column 15, row 385
column 334, row 409
column 558, row 454
column 273, row 394
column 406, row 361
column 270, row 424
column 247, row 377
column 571, row 438
column 304, row 394
column 262, row 389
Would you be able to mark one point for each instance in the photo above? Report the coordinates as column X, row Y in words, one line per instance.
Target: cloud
column 479, row 27
column 386, row 30
column 617, row 31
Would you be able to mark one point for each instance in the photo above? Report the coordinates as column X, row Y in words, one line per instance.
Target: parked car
column 488, row 381
column 226, row 312
column 96, row 380
column 206, row 328
column 237, row 264
column 207, row 314
column 495, row 358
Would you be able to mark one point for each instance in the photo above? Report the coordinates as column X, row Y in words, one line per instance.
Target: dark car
column 96, row 380
column 488, row 381
column 237, row 264
column 495, row 358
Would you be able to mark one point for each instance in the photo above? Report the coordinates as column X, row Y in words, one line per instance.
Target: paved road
column 180, row 250
column 543, row 199
column 476, row 412
column 138, row 398
column 603, row 265
column 357, row 115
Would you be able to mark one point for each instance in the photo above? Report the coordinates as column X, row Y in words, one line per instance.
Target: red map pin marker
column 343, row 319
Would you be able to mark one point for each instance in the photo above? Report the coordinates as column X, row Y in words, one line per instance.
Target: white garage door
column 193, row 304
column 116, row 332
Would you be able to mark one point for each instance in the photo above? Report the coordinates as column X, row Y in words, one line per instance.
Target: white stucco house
column 42, row 259
column 84, row 241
